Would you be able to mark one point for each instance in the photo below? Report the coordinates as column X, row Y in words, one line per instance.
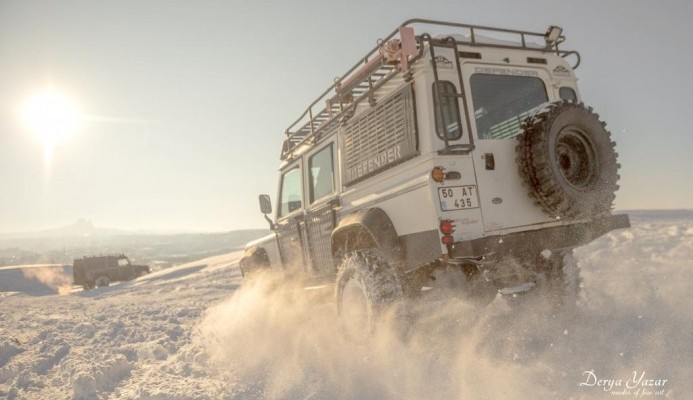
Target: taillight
column 447, row 227
column 438, row 174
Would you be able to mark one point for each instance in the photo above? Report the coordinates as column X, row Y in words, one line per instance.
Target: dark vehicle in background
column 98, row 271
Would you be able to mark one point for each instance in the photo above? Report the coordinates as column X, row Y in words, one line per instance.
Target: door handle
column 490, row 161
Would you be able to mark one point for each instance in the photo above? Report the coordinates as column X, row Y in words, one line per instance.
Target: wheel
column 140, row 273
column 254, row 261
column 553, row 280
column 566, row 157
column 369, row 288
column 463, row 282
column 560, row 283
column 102, row 281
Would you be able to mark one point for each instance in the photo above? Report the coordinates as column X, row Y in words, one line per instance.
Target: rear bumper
column 530, row 243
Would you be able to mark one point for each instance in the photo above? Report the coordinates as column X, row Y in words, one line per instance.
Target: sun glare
column 52, row 116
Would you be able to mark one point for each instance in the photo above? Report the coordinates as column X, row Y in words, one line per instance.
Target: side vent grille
column 380, row 138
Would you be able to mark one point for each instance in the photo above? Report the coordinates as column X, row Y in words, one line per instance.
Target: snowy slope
column 130, row 340
column 194, row 331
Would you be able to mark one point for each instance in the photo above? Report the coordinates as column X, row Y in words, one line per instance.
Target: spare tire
column 566, row 157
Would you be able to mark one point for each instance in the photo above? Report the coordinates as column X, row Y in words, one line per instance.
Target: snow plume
column 54, row 277
column 289, row 346
column 277, row 342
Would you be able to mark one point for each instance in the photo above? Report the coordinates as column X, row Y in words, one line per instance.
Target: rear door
column 125, row 270
column 112, row 269
column 501, row 97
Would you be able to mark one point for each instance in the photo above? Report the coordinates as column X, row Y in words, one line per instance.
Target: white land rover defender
column 459, row 153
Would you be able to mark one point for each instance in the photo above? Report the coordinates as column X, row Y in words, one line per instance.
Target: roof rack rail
column 391, row 56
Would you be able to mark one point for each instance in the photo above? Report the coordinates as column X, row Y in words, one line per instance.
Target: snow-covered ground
column 195, row 331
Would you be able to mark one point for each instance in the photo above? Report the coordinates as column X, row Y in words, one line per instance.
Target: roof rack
column 114, row 255
column 391, row 56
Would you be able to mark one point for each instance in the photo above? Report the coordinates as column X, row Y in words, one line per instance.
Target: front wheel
column 254, row 262
column 368, row 289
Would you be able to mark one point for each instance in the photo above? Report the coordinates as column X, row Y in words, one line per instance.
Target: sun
column 52, row 116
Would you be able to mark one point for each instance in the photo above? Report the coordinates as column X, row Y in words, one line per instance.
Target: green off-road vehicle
column 98, row 271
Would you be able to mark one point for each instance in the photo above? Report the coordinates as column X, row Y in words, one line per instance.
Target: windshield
column 501, row 102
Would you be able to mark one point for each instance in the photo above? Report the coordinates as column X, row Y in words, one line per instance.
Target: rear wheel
column 464, row 282
column 369, row 289
column 552, row 280
column 102, row 281
column 562, row 286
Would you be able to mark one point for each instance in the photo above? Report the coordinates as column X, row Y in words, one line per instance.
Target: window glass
column 447, row 110
column 123, row 262
column 291, row 191
column 567, row 93
column 502, row 102
column 321, row 174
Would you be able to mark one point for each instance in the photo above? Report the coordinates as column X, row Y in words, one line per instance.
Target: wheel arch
column 368, row 228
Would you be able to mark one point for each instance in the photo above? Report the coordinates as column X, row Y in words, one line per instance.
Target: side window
column 321, row 174
column 447, row 110
column 567, row 93
column 502, row 102
column 291, row 191
column 122, row 262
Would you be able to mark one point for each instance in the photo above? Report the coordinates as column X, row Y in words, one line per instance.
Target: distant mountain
column 84, row 228
column 81, row 228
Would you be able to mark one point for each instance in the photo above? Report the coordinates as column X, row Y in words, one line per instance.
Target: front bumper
column 528, row 243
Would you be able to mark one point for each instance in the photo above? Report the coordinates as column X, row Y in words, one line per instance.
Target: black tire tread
column 535, row 165
column 384, row 283
column 564, row 280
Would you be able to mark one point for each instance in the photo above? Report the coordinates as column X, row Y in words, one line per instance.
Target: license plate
column 458, row 198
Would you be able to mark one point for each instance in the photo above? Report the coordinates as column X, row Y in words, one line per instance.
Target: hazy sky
column 188, row 101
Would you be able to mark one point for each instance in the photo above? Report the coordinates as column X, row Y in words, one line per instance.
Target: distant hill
column 62, row 245
column 82, row 227
column 659, row 214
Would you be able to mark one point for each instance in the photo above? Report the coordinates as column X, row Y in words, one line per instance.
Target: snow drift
column 36, row 280
column 634, row 315
column 197, row 332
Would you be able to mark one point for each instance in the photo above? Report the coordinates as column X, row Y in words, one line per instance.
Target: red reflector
column 447, row 240
column 447, row 227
